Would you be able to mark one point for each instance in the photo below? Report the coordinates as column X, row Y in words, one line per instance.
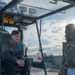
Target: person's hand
column 20, row 63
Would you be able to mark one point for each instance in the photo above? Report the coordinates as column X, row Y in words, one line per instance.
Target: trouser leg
column 24, row 70
column 10, row 66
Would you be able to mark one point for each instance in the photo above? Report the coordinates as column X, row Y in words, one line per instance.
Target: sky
column 52, row 34
column 53, row 28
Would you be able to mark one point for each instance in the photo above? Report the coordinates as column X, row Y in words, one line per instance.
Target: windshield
column 42, row 6
column 34, row 8
column 3, row 3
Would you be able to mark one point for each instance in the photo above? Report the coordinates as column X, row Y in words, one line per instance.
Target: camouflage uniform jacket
column 11, row 51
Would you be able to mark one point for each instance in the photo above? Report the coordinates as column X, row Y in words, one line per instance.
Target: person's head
column 69, row 27
column 69, row 32
column 15, row 36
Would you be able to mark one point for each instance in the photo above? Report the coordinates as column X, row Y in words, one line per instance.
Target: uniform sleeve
column 7, row 55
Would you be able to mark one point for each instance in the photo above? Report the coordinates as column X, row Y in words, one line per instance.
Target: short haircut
column 69, row 27
column 14, row 32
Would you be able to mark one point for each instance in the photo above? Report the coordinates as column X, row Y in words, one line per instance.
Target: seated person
column 14, row 54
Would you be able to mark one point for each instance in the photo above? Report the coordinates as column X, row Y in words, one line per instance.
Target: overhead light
column 14, row 9
column 32, row 11
column 23, row 9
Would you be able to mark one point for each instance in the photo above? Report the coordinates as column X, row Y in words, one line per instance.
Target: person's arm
column 7, row 55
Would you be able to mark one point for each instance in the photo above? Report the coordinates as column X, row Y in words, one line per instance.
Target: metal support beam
column 40, row 46
column 1, row 41
column 56, row 11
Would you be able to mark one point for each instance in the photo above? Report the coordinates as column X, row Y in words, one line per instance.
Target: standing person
column 68, row 49
column 14, row 54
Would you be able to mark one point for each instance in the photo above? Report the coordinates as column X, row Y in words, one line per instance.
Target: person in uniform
column 13, row 54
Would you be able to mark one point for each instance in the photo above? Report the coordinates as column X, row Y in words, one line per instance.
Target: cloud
column 52, row 36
